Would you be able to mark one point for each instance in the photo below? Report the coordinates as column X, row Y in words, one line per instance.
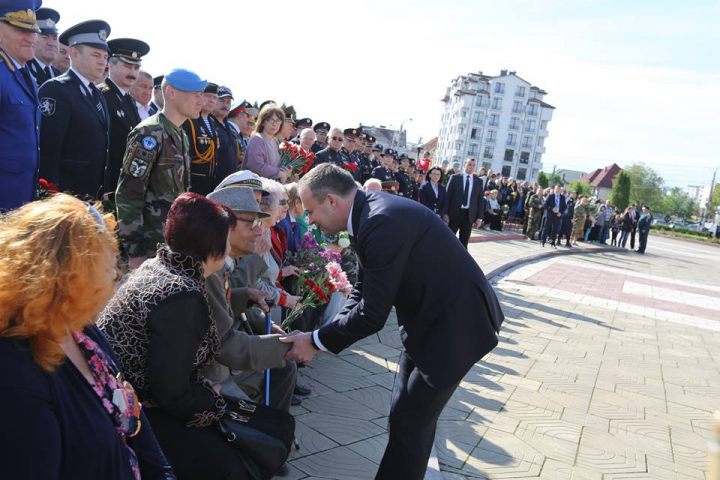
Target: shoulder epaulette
column 4, row 58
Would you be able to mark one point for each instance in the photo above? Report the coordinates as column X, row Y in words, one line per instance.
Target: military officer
column 321, row 130
column 413, row 187
column 331, row 154
column 125, row 58
column 376, row 150
column 402, row 176
column 46, row 50
column 204, row 144
column 19, row 113
column 228, row 155
column 157, row 102
column 74, row 132
column 156, row 167
column 535, row 212
column 384, row 171
column 62, row 62
column 241, row 119
column 364, row 157
column 301, row 125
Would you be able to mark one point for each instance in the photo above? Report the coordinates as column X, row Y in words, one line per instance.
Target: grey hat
column 239, row 199
column 243, row 178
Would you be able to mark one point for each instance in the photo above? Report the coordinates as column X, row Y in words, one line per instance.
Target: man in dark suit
column 465, row 196
column 554, row 207
column 125, row 59
column 448, row 314
column 634, row 217
column 74, row 138
column 46, row 50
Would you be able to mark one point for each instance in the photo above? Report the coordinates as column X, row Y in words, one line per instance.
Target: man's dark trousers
column 462, row 222
column 552, row 225
column 411, row 440
column 643, row 240
column 632, row 237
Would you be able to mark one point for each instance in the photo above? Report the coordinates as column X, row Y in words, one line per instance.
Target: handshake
column 302, row 350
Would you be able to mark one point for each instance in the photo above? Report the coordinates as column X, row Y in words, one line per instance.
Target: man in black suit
column 634, row 217
column 554, row 206
column 125, row 59
column 75, row 121
column 448, row 314
column 465, row 196
column 46, row 49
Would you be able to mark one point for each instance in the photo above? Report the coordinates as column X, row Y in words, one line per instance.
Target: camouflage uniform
column 156, row 170
column 535, row 203
column 578, row 221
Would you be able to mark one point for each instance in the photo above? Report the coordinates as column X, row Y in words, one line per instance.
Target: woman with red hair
column 68, row 413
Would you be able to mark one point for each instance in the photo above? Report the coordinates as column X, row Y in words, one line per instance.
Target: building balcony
column 539, row 149
column 514, row 127
column 543, row 132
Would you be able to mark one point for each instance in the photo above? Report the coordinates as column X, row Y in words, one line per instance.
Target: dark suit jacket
column 39, row 74
column 73, row 136
column 436, row 204
column 455, row 197
column 123, row 118
column 550, row 204
column 407, row 258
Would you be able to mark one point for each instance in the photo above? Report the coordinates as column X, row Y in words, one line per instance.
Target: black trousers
column 415, row 409
column 643, row 240
column 552, row 228
column 462, row 222
column 632, row 238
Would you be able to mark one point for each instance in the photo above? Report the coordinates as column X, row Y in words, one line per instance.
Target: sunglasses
column 283, row 202
column 337, row 139
column 257, row 223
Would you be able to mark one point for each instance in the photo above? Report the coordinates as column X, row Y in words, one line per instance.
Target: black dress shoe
column 568, row 244
column 283, row 471
column 295, row 401
column 302, row 390
column 543, row 244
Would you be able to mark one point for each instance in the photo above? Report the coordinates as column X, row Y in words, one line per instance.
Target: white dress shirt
column 43, row 66
column 316, row 337
column 143, row 111
column 466, row 200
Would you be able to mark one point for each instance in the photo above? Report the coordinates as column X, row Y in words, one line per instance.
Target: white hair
column 372, row 182
column 276, row 192
column 307, row 130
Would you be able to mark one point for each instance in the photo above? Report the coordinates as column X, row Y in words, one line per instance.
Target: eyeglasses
column 274, row 121
column 283, row 202
column 337, row 139
column 257, row 223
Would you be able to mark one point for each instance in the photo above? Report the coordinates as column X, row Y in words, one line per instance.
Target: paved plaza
column 606, row 369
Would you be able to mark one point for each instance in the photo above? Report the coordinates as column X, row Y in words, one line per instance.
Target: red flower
column 48, row 186
column 350, row 167
column 330, row 286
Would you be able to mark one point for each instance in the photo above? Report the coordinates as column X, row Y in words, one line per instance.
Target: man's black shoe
column 302, row 390
column 283, row 471
column 295, row 401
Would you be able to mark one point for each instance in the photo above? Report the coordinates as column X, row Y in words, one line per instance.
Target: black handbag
column 262, row 434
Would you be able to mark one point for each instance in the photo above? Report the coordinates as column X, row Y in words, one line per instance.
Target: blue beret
column 185, row 80
column 456, row 164
column 20, row 14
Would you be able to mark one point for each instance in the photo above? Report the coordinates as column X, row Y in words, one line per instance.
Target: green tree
column 620, row 195
column 678, row 204
column 646, row 186
column 715, row 201
column 543, row 180
column 582, row 188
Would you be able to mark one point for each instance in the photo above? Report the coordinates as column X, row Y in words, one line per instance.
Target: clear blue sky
column 632, row 81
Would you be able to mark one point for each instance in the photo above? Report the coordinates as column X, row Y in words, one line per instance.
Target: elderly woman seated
column 68, row 411
column 160, row 324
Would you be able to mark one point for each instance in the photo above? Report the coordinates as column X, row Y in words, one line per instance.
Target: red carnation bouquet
column 350, row 167
column 46, row 189
column 295, row 158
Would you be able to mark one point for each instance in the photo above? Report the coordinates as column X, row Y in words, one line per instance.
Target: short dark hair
column 328, row 178
column 198, row 227
column 427, row 175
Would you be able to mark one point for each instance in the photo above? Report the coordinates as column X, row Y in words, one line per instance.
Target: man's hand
column 477, row 223
column 302, row 350
column 277, row 329
column 291, row 301
column 284, row 174
column 446, row 218
column 290, row 270
column 258, row 297
column 135, row 262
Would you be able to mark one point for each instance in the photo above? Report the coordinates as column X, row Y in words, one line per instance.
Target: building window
column 533, row 109
column 475, row 133
column 480, row 101
column 511, row 139
column 497, row 103
column 494, row 119
column 540, row 141
column 535, row 171
column 527, row 142
column 499, row 87
column 478, row 117
column 521, row 174
column 517, row 106
column 491, row 136
column 537, row 158
column 506, row 170
column 533, row 93
column 461, row 130
column 486, row 165
column 459, row 145
column 530, row 125
column 514, row 123
column 473, row 150
column 520, row 92
column 525, row 157
column 488, row 153
column 463, row 113
column 509, row 154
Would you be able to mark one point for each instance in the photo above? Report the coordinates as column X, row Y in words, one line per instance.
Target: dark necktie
column 95, row 94
column 28, row 78
column 466, row 193
column 47, row 72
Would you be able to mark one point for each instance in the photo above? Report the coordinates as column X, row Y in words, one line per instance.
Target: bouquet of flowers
column 295, row 158
column 46, row 189
column 350, row 167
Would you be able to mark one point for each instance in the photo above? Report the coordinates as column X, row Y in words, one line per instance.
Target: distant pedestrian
column 616, row 224
column 644, row 227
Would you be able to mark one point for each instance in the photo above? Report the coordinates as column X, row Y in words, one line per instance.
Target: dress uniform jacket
column 42, row 75
column 383, row 174
column 328, row 155
column 74, row 135
column 19, row 135
column 228, row 156
column 204, row 146
column 123, row 118
column 156, row 170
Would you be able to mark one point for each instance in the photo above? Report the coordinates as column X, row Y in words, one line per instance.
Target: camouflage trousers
column 533, row 224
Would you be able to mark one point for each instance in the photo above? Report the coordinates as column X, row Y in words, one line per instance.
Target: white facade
column 501, row 121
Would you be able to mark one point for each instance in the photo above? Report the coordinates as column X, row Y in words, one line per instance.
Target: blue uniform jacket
column 19, row 136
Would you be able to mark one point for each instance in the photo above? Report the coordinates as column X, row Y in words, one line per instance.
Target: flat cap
column 211, row 88
column 238, row 199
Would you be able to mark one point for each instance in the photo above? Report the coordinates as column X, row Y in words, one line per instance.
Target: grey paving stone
column 339, row 405
column 338, row 463
column 341, row 430
column 311, row 441
column 371, row 448
column 375, row 398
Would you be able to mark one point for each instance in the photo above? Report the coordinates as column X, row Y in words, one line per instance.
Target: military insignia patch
column 140, row 162
column 138, row 167
column 149, row 142
column 47, row 106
